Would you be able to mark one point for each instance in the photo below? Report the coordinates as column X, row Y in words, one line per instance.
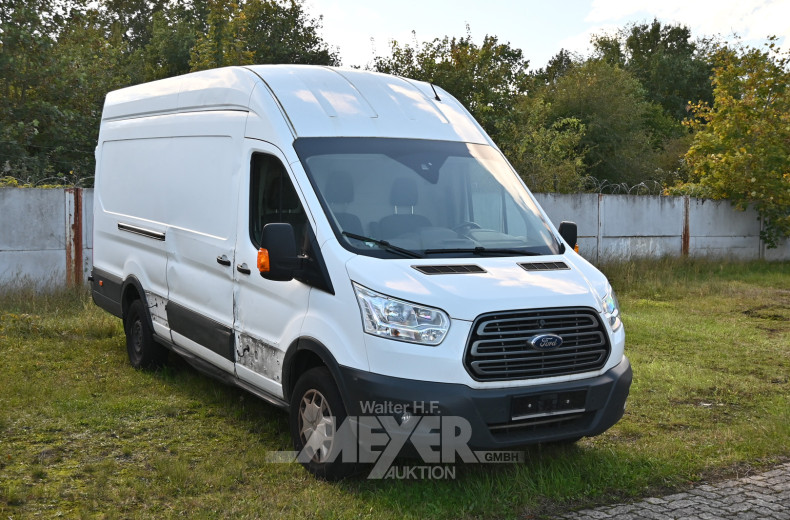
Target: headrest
column 404, row 192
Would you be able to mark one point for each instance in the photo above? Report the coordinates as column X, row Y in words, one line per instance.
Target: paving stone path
column 763, row 496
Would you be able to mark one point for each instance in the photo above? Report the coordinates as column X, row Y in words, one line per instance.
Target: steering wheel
column 465, row 227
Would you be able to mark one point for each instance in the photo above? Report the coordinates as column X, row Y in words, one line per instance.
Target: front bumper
column 500, row 418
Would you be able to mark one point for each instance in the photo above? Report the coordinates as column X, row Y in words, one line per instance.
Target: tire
column 318, row 409
column 144, row 352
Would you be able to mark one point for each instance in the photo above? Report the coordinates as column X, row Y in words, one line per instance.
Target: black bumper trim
column 106, row 290
column 488, row 410
column 202, row 330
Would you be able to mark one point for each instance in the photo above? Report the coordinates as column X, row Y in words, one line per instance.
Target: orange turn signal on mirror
column 263, row 260
column 576, row 248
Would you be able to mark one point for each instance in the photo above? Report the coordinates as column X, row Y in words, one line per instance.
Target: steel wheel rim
column 137, row 336
column 316, row 425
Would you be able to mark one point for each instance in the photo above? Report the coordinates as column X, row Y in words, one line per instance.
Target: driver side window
column 273, row 199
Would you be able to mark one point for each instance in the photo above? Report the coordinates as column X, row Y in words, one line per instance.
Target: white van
column 334, row 239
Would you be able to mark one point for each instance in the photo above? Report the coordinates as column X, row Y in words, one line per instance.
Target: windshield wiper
column 483, row 251
column 384, row 244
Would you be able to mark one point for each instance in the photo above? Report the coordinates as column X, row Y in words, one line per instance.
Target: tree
column 673, row 69
column 558, row 65
column 611, row 105
column 32, row 120
column 59, row 58
column 492, row 82
column 486, row 79
column 167, row 53
column 546, row 153
column 131, row 19
column 741, row 149
column 259, row 31
column 223, row 43
column 284, row 33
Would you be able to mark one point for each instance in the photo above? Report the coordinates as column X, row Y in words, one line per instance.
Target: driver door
column 267, row 314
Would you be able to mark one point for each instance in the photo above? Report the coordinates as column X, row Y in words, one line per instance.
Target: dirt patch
column 774, row 312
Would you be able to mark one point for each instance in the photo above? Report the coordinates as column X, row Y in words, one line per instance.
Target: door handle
column 242, row 268
column 223, row 260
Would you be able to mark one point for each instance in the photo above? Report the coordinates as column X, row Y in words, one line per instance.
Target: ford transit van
column 342, row 244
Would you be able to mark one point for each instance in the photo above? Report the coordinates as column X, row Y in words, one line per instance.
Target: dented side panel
column 156, row 308
column 260, row 357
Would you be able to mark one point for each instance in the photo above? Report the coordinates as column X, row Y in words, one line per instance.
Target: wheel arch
column 133, row 290
column 302, row 355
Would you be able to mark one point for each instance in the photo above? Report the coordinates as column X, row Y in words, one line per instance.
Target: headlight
column 396, row 319
column 611, row 309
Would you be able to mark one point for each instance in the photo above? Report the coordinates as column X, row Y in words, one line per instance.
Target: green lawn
column 84, row 435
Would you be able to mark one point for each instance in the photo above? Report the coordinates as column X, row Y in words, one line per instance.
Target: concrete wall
column 719, row 230
column 627, row 226
column 46, row 236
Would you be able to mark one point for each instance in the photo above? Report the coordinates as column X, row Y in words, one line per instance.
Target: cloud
column 346, row 32
column 751, row 20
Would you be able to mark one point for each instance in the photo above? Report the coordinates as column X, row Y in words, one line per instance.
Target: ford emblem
column 545, row 342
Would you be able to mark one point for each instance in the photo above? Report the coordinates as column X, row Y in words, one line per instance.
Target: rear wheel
column 143, row 351
column 317, row 412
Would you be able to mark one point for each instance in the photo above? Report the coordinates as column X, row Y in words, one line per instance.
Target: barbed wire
column 58, row 147
column 648, row 187
column 590, row 185
column 56, row 165
column 65, row 181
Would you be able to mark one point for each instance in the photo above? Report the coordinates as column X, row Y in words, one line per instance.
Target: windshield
column 430, row 198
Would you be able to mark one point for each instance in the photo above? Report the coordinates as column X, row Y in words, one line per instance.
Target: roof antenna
column 435, row 94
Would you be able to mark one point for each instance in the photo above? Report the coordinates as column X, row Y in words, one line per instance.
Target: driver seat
column 339, row 193
column 403, row 194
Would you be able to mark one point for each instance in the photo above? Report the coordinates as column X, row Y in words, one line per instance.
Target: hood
column 502, row 285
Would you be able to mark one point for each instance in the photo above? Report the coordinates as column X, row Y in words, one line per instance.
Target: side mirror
column 569, row 233
column 277, row 259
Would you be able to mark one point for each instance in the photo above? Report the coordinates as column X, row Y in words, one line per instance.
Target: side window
column 486, row 201
column 515, row 224
column 273, row 199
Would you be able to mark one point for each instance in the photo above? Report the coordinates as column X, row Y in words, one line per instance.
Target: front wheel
column 317, row 412
column 143, row 351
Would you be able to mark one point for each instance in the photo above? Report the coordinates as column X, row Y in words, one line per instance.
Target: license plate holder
column 554, row 403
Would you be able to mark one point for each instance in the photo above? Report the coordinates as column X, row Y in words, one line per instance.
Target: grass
column 84, row 435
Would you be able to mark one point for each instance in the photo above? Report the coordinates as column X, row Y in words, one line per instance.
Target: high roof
column 318, row 101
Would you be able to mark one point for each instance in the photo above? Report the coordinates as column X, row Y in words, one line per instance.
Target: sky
column 362, row 29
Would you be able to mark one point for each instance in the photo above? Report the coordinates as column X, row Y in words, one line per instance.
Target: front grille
column 499, row 349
